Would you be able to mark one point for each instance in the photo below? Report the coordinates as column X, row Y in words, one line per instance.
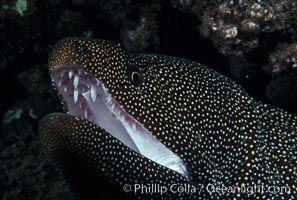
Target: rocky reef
column 252, row 41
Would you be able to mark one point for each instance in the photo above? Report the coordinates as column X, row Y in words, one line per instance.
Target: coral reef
column 235, row 27
column 283, row 59
column 282, row 65
column 25, row 173
column 142, row 36
column 253, row 41
column 137, row 21
column 246, row 32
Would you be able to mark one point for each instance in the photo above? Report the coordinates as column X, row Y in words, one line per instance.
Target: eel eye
column 135, row 76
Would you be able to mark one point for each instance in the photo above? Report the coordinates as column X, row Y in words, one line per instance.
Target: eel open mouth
column 85, row 96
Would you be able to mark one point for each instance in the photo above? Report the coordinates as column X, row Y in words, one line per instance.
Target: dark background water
column 255, row 48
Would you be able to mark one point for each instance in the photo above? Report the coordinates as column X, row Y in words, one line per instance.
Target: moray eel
column 140, row 120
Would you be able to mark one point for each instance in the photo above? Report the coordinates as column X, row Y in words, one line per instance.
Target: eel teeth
column 62, row 74
column 112, row 107
column 65, row 89
column 59, row 83
column 93, row 93
column 75, row 95
column 86, row 114
column 122, row 117
column 75, row 81
column 108, row 100
column 134, row 126
column 70, row 74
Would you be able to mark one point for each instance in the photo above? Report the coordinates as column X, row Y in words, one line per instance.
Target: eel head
column 115, row 119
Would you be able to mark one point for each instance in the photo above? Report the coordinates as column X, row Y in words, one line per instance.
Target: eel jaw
column 85, row 96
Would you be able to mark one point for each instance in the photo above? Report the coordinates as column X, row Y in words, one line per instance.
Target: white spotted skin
column 223, row 135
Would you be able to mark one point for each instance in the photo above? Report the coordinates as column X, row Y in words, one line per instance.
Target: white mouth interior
column 85, row 96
